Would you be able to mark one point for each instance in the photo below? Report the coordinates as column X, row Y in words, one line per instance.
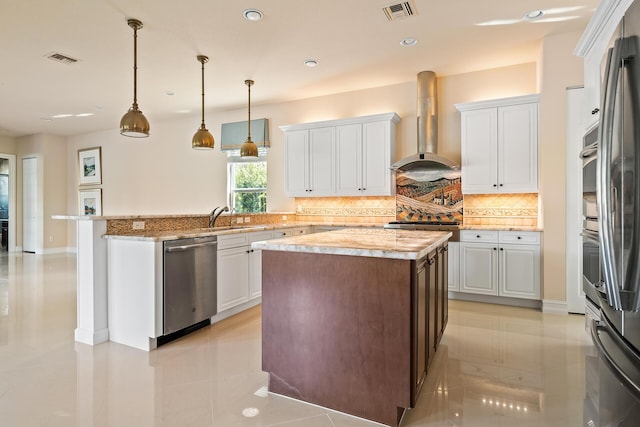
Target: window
column 248, row 186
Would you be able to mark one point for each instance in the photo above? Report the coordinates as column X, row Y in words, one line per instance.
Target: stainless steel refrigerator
column 617, row 335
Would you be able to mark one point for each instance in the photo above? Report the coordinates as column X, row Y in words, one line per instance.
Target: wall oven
column 591, row 271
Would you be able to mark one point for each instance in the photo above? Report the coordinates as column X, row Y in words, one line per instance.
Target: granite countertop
column 501, row 227
column 159, row 236
column 378, row 243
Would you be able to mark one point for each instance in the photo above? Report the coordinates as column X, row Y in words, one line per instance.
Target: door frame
column 11, row 245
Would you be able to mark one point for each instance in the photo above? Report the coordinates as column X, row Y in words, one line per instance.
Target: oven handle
column 604, row 176
column 591, row 236
column 589, row 150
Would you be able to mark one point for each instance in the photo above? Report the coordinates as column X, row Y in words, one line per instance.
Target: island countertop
column 396, row 244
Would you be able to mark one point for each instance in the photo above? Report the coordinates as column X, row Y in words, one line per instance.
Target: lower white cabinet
column 239, row 268
column 292, row 231
column 500, row 263
column 453, row 272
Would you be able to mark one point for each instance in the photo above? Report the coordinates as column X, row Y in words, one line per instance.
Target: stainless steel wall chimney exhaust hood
column 427, row 123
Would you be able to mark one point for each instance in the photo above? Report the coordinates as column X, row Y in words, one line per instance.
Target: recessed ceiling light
column 183, row 111
column 252, row 15
column 497, row 22
column 46, row 119
column 61, row 116
column 310, row 63
column 409, row 41
column 532, row 15
column 84, row 114
column 169, row 93
column 556, row 19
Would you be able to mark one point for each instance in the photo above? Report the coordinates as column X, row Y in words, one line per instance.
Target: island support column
column 92, row 322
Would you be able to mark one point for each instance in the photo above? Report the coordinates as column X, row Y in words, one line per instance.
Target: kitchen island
column 351, row 319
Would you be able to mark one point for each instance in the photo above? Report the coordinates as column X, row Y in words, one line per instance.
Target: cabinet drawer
column 259, row 236
column 520, row 237
column 288, row 232
column 484, row 236
column 232, row 241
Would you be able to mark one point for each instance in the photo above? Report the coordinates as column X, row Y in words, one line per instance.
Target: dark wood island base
column 352, row 333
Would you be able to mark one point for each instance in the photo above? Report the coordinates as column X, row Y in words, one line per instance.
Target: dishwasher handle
column 189, row 246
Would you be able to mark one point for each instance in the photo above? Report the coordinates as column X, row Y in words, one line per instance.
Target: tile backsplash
column 356, row 210
column 501, row 209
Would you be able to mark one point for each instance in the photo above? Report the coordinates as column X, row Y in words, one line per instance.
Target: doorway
column 7, row 202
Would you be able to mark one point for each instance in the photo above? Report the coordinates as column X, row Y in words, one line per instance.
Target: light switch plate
column 138, row 225
column 247, row 219
column 239, row 220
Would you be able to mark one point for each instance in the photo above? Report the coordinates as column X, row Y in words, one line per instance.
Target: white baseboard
column 60, row 250
column 91, row 337
column 235, row 310
column 490, row 299
column 554, row 307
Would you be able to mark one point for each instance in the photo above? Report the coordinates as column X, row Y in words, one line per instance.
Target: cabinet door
column 321, row 162
column 442, row 294
column 433, row 309
column 479, row 151
column 518, row 148
column 479, row 268
column 233, row 277
column 255, row 273
column 420, row 337
column 520, row 271
column 296, row 161
column 349, row 160
column 376, row 159
column 454, row 266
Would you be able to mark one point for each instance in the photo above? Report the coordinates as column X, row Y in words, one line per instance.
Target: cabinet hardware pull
column 595, row 111
column 500, row 185
column 495, row 249
column 502, row 249
column 477, row 236
column 495, row 185
column 519, row 237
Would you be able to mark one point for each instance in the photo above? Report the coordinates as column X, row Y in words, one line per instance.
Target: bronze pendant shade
column 249, row 148
column 202, row 140
column 134, row 123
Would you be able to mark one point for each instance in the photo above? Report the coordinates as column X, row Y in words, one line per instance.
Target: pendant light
column 134, row 123
column 202, row 140
column 249, row 149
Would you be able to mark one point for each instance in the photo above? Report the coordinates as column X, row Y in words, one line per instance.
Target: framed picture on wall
column 90, row 166
column 90, row 201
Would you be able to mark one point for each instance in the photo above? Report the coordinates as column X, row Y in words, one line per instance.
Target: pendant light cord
column 135, row 67
column 249, row 83
column 202, row 61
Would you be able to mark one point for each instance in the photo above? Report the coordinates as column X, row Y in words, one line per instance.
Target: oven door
column 591, row 271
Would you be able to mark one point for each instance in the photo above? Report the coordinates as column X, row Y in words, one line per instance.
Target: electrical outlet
column 51, row 238
column 239, row 220
column 138, row 225
column 284, row 217
column 247, row 219
column 299, row 209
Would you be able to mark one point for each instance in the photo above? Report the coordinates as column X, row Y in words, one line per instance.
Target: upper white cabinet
column 593, row 46
column 349, row 157
column 309, row 157
column 500, row 145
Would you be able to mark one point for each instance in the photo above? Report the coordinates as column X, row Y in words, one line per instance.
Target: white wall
column 560, row 69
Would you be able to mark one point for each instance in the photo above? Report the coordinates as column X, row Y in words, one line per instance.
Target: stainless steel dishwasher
column 190, row 282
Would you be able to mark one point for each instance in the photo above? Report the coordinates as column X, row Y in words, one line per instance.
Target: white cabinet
column 453, row 273
column 293, row 231
column 239, row 268
column 309, row 158
column 349, row 157
column 363, row 157
column 500, row 145
column 592, row 47
column 500, row 263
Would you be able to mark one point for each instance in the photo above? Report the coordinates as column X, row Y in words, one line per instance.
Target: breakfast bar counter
column 351, row 319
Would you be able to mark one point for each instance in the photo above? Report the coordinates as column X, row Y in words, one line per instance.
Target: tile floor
column 497, row 366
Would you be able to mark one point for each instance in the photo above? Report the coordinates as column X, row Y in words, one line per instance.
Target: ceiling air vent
column 58, row 57
column 400, row 10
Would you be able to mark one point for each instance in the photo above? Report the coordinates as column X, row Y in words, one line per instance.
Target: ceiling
column 355, row 44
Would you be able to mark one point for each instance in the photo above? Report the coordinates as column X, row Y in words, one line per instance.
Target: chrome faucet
column 213, row 216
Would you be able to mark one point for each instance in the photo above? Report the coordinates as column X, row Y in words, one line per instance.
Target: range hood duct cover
column 427, row 124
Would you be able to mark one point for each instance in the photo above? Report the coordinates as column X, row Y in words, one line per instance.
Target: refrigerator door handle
column 605, row 224
column 627, row 381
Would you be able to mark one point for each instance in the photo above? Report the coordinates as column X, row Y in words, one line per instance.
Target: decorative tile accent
column 346, row 206
column 502, row 209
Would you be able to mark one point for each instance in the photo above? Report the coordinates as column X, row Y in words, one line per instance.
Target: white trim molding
column 554, row 306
